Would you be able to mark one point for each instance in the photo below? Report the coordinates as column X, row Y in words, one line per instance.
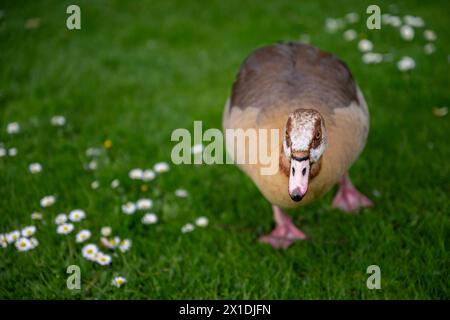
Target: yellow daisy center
column 107, row 144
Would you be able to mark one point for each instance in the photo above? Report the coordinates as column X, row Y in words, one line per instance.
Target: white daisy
column 125, row 245
column 115, row 183
column 161, row 167
column 93, row 152
column 429, row 48
column 35, row 167
column 416, row 22
column 13, row 128
column 440, row 112
column 3, row 241
column 58, row 121
column 65, row 228
column 114, row 242
column 181, row 193
column 28, row 231
column 429, row 35
column 23, row 244
column 202, row 221
column 407, row 32
column 365, row 45
column 47, row 201
column 83, row 235
column 148, row 175
column 395, row 21
column 77, row 215
column 92, row 165
column 13, row 236
column 149, row 218
column 110, row 243
column 118, row 281
column 102, row 259
column 144, row 204
column 36, row 216
column 187, row 228
column 352, row 17
column 95, row 184
column 332, row 25
column 89, row 251
column 12, row 152
column 385, row 18
column 197, row 148
column 2, row 152
column 350, row 35
column 34, row 243
column 406, row 63
column 105, row 242
column 61, row 218
column 136, row 174
column 106, row 231
column 371, row 58
column 129, row 208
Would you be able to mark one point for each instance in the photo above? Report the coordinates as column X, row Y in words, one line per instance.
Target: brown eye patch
column 288, row 129
column 317, row 135
column 288, row 139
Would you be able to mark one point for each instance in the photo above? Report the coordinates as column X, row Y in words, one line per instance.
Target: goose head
column 304, row 144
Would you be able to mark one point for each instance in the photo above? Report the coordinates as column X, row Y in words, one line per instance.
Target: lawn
column 136, row 71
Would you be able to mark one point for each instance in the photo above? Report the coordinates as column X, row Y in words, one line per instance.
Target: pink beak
column 298, row 178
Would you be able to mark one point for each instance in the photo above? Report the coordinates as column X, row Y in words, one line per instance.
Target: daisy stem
column 70, row 246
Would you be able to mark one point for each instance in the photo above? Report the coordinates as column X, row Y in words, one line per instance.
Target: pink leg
column 348, row 198
column 285, row 232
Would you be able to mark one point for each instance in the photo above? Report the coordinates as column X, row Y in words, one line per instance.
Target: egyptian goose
column 311, row 98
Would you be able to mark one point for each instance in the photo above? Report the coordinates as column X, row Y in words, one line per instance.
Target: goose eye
column 318, row 135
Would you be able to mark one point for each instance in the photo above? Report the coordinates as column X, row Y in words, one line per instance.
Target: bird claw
column 284, row 234
column 349, row 199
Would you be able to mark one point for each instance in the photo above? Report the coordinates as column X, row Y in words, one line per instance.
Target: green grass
column 139, row 69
